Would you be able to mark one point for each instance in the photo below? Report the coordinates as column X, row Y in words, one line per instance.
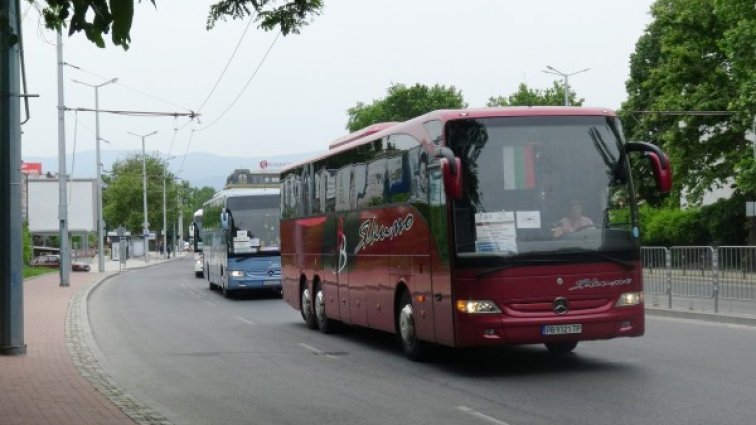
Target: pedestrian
column 169, row 250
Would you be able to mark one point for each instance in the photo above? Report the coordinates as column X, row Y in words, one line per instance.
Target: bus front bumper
column 499, row 329
column 254, row 282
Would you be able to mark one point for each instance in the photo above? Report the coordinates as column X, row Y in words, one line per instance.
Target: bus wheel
column 224, row 290
column 561, row 347
column 413, row 348
column 306, row 308
column 325, row 324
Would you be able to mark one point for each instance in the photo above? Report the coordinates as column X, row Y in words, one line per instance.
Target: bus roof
column 379, row 130
column 236, row 192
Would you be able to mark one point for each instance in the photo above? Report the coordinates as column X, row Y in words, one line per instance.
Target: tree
column 191, row 199
column 525, row 96
column 123, row 196
column 98, row 17
column 402, row 103
column 696, row 57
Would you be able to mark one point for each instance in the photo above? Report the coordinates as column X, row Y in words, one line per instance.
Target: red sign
column 273, row 164
column 31, row 167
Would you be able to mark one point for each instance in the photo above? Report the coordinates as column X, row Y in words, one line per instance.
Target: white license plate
column 562, row 329
column 271, row 282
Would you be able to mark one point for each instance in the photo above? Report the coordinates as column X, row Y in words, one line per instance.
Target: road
column 199, row 358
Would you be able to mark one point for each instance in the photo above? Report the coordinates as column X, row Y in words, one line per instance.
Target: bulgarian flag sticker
column 519, row 168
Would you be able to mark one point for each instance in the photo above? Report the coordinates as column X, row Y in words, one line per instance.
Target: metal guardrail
column 703, row 272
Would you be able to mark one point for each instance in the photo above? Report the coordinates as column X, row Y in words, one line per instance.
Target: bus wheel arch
column 305, row 306
column 325, row 324
column 224, row 283
column 209, row 278
column 406, row 329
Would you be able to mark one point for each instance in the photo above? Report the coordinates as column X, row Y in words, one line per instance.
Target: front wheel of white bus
column 414, row 349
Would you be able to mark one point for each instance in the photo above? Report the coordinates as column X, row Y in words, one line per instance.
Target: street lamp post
column 145, row 224
column 165, row 229
column 566, row 76
column 100, row 248
column 165, row 221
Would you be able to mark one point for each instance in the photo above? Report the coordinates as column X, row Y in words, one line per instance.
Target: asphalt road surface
column 198, row 358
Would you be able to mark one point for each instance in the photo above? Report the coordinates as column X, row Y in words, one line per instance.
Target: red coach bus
column 471, row 228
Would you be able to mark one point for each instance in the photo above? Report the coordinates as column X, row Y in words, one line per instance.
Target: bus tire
column 561, row 347
column 415, row 349
column 325, row 324
column 306, row 308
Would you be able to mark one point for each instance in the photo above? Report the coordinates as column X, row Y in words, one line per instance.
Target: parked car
column 53, row 261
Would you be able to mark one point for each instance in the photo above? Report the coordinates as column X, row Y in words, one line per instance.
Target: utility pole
column 11, row 239
column 65, row 248
column 145, row 223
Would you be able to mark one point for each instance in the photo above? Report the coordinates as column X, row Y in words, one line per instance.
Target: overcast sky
column 298, row 99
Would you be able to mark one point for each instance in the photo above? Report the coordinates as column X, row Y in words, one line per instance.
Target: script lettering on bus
column 342, row 245
column 371, row 231
column 595, row 283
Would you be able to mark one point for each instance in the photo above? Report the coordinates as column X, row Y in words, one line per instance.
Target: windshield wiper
column 530, row 261
column 519, row 263
column 628, row 265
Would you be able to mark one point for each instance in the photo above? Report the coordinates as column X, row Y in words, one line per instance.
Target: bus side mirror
column 659, row 163
column 224, row 220
column 451, row 168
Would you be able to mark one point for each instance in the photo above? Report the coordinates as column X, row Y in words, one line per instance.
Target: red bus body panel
column 362, row 271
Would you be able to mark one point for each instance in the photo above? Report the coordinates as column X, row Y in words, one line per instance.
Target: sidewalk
column 45, row 386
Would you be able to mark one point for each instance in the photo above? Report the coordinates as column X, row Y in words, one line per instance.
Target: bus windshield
column 546, row 185
column 259, row 216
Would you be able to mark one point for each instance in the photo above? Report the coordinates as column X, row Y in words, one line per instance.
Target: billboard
column 42, row 205
column 34, row 168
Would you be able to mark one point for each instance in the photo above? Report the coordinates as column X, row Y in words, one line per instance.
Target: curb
column 85, row 354
column 707, row 317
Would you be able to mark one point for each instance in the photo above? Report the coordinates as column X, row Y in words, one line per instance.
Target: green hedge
column 722, row 223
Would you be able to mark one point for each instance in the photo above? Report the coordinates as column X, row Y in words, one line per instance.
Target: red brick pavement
column 43, row 386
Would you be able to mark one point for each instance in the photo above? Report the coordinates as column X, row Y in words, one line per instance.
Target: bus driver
column 573, row 222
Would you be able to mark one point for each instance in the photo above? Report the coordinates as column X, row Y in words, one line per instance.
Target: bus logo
column 342, row 245
column 372, row 232
column 560, row 305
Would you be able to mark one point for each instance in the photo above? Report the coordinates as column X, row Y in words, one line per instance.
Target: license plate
column 271, row 282
column 562, row 329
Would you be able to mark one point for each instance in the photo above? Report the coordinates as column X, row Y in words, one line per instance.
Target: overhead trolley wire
column 225, row 68
column 241, row 92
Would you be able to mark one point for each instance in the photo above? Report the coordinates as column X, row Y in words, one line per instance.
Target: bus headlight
column 477, row 307
column 629, row 298
column 236, row 273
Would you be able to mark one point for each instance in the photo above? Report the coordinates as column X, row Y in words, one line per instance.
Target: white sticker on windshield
column 528, row 219
column 496, row 232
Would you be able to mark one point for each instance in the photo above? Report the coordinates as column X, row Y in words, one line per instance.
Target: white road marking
column 245, row 320
column 316, row 351
column 210, row 303
column 477, row 414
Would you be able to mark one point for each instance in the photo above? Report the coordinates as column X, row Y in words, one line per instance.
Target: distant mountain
column 199, row 169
